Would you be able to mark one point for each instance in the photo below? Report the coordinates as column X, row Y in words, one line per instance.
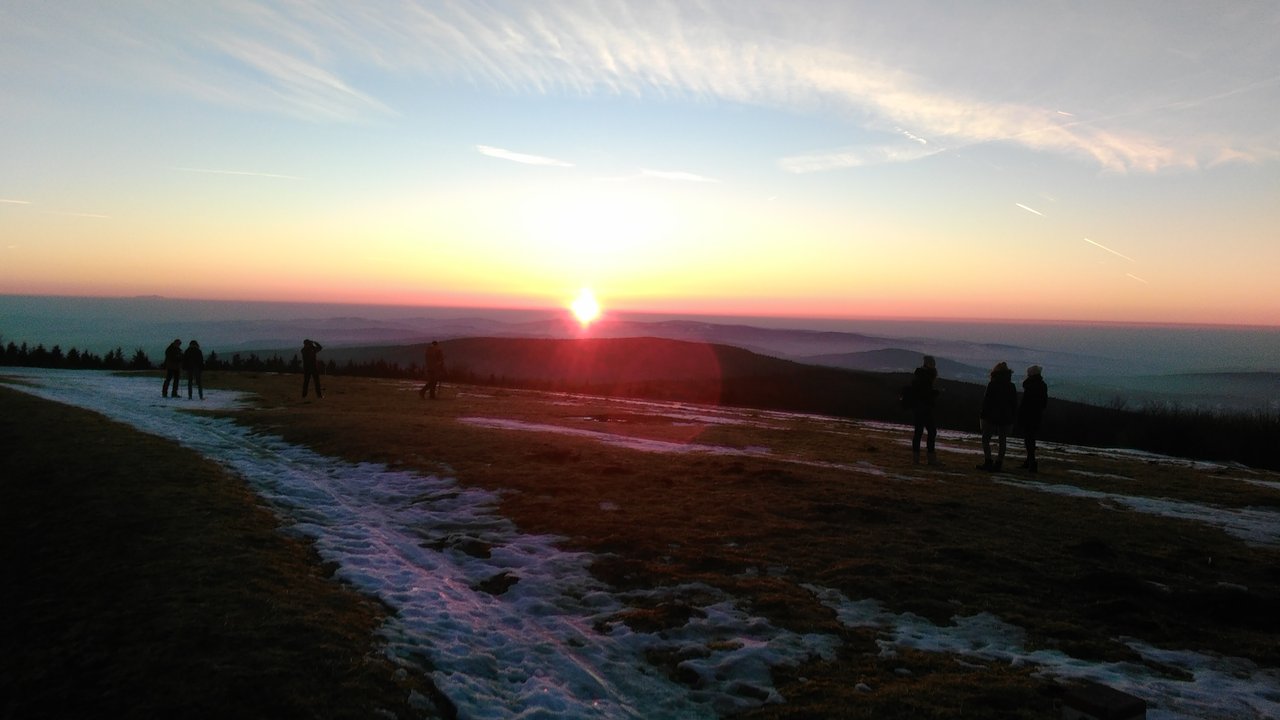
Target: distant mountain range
column 1142, row 376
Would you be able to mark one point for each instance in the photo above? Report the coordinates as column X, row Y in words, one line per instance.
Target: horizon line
column 613, row 312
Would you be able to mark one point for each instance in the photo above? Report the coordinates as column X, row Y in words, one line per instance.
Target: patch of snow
column 1219, row 687
column 1253, row 525
column 631, row 443
column 426, row 546
column 1104, row 476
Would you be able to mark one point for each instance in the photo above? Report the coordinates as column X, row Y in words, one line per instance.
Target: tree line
column 22, row 355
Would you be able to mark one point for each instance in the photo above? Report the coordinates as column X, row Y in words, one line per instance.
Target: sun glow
column 585, row 307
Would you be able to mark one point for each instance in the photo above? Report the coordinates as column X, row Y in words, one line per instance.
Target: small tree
column 140, row 360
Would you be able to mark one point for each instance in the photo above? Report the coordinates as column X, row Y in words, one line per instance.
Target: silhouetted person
column 172, row 368
column 999, row 408
column 435, row 369
column 923, row 397
column 309, row 368
column 193, row 363
column 1035, row 396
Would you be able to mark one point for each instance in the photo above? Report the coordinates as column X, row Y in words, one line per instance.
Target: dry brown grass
column 142, row 581
column 937, row 542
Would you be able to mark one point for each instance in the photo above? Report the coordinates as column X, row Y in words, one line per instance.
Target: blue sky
column 1082, row 161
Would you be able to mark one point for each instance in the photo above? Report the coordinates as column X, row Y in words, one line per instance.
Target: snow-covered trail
column 424, row 545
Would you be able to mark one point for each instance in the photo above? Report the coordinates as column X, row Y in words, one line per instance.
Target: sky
column 1083, row 161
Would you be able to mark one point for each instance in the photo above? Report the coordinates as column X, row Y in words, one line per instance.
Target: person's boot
column 915, row 457
column 1033, row 466
column 933, row 458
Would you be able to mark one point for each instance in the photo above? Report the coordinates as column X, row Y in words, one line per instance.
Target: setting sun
column 585, row 307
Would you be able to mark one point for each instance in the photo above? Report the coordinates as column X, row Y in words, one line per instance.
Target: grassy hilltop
column 664, row 369
column 811, row 501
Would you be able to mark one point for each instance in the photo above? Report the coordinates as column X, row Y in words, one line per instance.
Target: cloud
column 1191, row 89
column 851, row 157
column 238, row 172
column 501, row 154
column 677, row 176
column 8, row 201
column 1113, row 252
column 96, row 216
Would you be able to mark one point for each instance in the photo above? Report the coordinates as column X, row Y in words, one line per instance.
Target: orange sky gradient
column 852, row 161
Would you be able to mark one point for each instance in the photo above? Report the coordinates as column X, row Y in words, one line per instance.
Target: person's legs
column 987, row 432
column 199, row 383
column 931, row 427
column 1031, row 449
column 1003, row 434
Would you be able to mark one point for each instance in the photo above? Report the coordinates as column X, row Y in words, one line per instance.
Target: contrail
column 1135, row 277
column 239, row 172
column 1030, row 210
column 77, row 214
column 503, row 154
column 1113, row 252
column 15, row 202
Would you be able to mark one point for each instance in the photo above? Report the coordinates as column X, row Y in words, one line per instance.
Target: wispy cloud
column 677, row 176
column 238, row 172
column 303, row 83
column 1113, row 252
column 851, row 157
column 76, row 214
column 9, row 201
column 501, row 154
column 880, row 69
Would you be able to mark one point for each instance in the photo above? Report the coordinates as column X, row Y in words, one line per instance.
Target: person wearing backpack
column 920, row 397
column 193, row 363
column 999, row 408
column 172, row 368
column 1035, row 396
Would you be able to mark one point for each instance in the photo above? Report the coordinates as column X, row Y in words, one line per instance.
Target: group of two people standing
column 176, row 360
column 1000, row 409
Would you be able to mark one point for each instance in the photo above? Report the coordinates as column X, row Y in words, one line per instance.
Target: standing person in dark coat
column 193, row 363
column 172, row 368
column 999, row 408
column 435, row 370
column 923, row 397
column 309, row 368
column 1035, row 396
